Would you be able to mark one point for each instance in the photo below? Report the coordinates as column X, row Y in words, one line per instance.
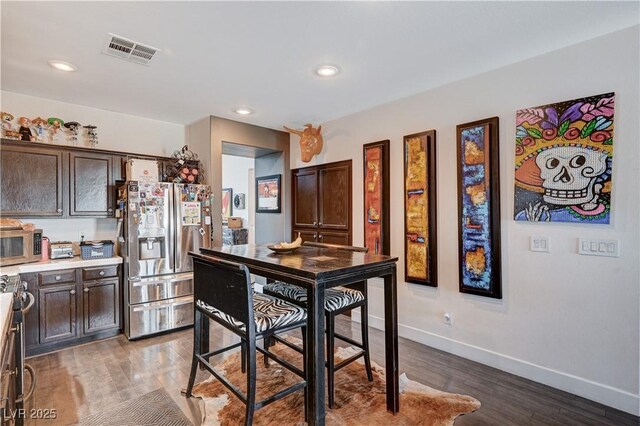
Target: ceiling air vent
column 130, row 50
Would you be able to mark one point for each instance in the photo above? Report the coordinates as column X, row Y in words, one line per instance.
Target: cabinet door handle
column 319, row 237
column 319, row 223
column 110, row 210
column 72, row 292
column 86, row 290
column 314, row 223
column 101, row 273
column 58, row 277
column 59, row 210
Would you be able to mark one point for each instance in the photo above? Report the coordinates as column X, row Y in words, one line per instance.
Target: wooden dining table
column 317, row 269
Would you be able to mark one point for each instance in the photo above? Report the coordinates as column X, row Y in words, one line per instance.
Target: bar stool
column 337, row 300
column 223, row 293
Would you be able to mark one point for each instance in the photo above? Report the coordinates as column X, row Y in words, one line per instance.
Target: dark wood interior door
column 305, row 198
column 334, row 201
column 31, row 181
column 91, row 184
column 101, row 305
column 57, row 312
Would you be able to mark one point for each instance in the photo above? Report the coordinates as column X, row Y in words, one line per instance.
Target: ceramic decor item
column 73, row 127
column 41, row 128
column 310, row 141
column 56, row 125
column 25, row 129
column 7, row 127
column 92, row 134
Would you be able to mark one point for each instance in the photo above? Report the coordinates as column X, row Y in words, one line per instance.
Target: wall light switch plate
column 599, row 247
column 540, row 244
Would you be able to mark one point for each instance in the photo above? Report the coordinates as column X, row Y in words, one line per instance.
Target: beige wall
column 566, row 320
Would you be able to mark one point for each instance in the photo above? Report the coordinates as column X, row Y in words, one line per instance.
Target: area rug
column 357, row 401
column 151, row 409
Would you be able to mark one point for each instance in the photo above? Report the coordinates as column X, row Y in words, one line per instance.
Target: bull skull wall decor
column 310, row 141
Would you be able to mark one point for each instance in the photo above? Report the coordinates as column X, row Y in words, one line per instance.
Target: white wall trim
column 604, row 394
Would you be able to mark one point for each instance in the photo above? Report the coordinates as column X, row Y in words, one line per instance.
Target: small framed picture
column 227, row 204
column 268, row 194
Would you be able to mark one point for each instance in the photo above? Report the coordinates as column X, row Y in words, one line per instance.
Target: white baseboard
column 604, row 394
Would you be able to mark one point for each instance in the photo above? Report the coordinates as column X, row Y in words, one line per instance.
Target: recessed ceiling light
column 327, row 70
column 62, row 65
column 243, row 111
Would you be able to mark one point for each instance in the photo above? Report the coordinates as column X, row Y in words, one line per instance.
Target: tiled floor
column 90, row 378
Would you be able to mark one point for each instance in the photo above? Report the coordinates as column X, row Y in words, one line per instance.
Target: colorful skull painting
column 564, row 160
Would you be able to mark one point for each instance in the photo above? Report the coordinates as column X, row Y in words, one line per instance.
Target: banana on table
column 295, row 244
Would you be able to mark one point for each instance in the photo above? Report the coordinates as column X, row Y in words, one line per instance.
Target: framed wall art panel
column 376, row 197
column 564, row 161
column 227, row 203
column 479, row 208
column 268, row 194
column 420, row 247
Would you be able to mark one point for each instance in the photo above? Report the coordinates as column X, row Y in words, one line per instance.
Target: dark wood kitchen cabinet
column 32, row 181
column 57, row 311
column 72, row 306
column 322, row 203
column 60, row 181
column 91, row 184
column 101, row 299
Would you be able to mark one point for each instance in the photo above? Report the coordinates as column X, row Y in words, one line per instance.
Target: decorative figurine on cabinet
column 41, row 127
column 56, row 126
column 310, row 141
column 92, row 134
column 25, row 129
column 7, row 128
column 73, row 127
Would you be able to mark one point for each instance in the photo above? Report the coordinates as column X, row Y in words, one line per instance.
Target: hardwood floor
column 87, row 379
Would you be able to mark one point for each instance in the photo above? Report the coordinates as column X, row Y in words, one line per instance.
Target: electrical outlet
column 447, row 318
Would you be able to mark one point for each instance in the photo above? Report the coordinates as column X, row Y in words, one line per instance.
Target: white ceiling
column 220, row 55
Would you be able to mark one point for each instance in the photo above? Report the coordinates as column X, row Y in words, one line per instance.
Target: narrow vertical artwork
column 420, row 247
column 564, row 161
column 479, row 208
column 376, row 197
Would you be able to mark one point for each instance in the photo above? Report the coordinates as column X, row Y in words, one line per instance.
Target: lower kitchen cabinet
column 327, row 237
column 101, row 303
column 72, row 306
column 57, row 311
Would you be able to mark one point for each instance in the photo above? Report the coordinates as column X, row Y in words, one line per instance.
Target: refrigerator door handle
column 177, row 227
column 173, row 212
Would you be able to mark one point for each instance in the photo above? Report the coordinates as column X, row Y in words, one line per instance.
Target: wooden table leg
column 315, row 354
column 391, row 341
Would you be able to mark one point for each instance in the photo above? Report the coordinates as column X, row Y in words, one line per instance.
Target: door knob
column 58, row 277
column 72, row 292
column 101, row 273
column 86, row 290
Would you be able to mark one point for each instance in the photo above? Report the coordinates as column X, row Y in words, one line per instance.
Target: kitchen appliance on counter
column 61, row 250
column 162, row 223
column 19, row 246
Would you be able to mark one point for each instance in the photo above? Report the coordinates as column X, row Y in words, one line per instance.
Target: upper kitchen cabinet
column 32, row 179
column 322, row 206
column 60, row 181
column 90, row 184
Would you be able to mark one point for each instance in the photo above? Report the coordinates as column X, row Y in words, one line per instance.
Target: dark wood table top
column 313, row 263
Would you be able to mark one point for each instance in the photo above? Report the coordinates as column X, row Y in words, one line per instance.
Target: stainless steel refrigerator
column 162, row 223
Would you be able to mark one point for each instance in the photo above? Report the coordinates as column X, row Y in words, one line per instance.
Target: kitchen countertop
column 51, row 265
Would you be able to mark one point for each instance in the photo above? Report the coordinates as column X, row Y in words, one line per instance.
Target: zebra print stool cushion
column 268, row 311
column 334, row 298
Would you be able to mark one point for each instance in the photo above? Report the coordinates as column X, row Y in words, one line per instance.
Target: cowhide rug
column 358, row 401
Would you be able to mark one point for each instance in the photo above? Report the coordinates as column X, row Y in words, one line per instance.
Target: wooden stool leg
column 364, row 322
column 330, row 357
column 197, row 336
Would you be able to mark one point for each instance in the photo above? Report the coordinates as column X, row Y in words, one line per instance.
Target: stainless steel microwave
column 19, row 246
